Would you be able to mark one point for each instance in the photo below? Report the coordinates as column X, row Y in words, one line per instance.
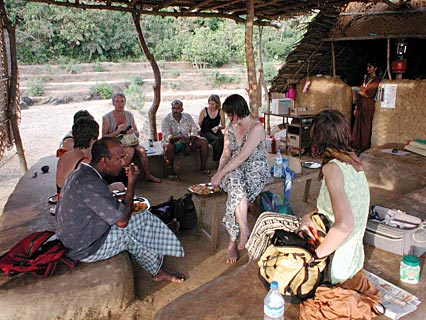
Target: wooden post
column 12, row 101
column 152, row 113
column 388, row 61
column 251, row 65
column 333, row 55
column 262, row 83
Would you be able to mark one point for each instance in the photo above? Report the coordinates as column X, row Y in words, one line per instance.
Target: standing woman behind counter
column 364, row 110
column 211, row 122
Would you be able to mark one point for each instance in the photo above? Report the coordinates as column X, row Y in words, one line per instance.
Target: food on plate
column 140, row 206
column 204, row 189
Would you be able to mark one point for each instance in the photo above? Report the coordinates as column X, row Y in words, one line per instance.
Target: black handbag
column 181, row 211
column 185, row 212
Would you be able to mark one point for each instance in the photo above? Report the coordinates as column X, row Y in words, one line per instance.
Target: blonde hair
column 216, row 99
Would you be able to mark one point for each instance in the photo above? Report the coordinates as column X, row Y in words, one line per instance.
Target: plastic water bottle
column 278, row 165
column 273, row 304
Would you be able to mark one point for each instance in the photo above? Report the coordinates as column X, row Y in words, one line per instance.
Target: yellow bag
column 293, row 265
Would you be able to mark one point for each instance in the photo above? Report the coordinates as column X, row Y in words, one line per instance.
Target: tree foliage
column 53, row 34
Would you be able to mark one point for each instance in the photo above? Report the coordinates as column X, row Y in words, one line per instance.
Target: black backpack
column 37, row 254
column 181, row 210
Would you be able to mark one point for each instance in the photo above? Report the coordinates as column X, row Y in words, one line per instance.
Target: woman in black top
column 211, row 122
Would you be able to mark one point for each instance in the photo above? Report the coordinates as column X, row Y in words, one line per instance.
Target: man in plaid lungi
column 94, row 226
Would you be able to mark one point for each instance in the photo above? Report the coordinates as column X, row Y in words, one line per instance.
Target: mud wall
column 324, row 93
column 407, row 120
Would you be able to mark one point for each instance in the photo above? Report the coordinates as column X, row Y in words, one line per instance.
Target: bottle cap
column 409, row 261
column 274, row 285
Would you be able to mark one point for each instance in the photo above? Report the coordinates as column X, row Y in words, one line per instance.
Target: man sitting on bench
column 94, row 226
column 178, row 128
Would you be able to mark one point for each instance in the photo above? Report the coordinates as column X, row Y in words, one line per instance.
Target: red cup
column 160, row 136
column 262, row 119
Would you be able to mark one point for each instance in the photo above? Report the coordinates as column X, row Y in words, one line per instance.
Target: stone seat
column 92, row 290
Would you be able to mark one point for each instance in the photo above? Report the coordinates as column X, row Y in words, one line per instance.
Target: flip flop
column 53, row 199
column 173, row 178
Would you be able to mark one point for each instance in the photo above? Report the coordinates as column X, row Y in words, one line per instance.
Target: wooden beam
column 376, row 37
column 224, row 4
column 79, row 5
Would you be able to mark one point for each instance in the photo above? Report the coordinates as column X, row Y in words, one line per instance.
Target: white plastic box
column 395, row 240
column 281, row 106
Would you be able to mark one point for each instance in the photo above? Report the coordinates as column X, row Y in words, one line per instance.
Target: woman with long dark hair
column 344, row 196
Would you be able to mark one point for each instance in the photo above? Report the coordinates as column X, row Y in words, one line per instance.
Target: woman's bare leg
column 241, row 215
column 144, row 161
column 129, row 153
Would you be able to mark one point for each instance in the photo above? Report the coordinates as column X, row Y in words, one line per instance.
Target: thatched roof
column 358, row 32
column 265, row 10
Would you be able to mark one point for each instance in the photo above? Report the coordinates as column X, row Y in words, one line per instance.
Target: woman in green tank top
column 344, row 196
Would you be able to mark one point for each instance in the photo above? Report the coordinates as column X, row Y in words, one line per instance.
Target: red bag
column 36, row 254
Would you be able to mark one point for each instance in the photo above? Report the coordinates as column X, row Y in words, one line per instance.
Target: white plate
column 311, row 165
column 141, row 200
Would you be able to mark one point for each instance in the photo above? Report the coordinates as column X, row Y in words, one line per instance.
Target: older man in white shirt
column 178, row 130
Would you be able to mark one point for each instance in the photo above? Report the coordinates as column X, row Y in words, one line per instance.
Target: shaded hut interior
column 333, row 56
column 355, row 34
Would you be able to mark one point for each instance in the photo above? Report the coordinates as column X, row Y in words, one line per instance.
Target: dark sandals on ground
column 173, row 178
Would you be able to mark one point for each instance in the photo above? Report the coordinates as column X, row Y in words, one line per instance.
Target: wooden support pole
column 152, row 113
column 12, row 101
column 388, row 61
column 333, row 55
column 262, row 82
column 251, row 65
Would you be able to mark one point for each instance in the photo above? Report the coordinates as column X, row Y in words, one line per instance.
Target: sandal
column 53, row 199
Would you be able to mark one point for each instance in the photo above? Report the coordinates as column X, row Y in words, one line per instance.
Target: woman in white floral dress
column 243, row 170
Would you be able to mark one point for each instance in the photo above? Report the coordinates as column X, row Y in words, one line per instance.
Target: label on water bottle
column 273, row 312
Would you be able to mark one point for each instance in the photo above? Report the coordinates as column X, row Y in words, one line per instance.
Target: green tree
column 215, row 53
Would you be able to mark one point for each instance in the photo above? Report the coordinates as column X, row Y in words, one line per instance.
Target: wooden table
column 215, row 200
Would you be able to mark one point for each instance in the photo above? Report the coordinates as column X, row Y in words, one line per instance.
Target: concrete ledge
column 393, row 174
column 88, row 291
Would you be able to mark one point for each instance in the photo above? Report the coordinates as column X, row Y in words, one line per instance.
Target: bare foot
column 164, row 275
column 244, row 235
column 153, row 179
column 232, row 253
